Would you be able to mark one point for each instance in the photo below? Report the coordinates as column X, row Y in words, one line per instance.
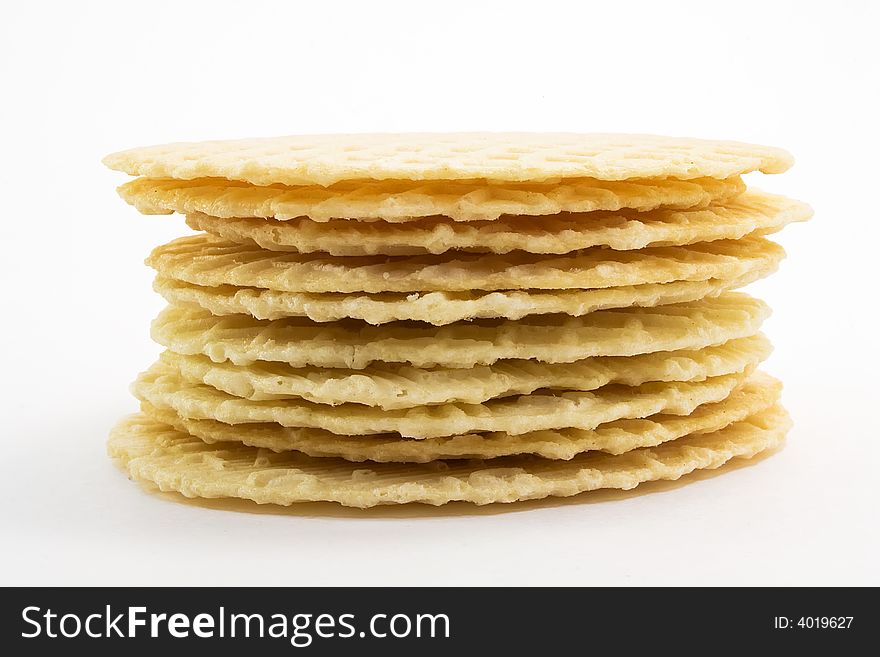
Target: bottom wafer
column 175, row 461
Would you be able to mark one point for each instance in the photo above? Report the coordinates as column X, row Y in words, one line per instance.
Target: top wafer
column 498, row 157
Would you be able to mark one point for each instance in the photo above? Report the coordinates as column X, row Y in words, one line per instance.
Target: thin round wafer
column 328, row 159
column 175, row 461
column 757, row 394
column 441, row 308
column 210, row 261
column 752, row 212
column 164, row 387
column 392, row 386
column 547, row 338
column 402, row 200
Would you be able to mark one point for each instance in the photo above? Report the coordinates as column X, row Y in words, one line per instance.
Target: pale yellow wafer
column 176, row 461
column 441, row 308
column 391, row 386
column 757, row 394
column 210, row 261
column 327, row 159
column 402, row 200
column 164, row 387
column 753, row 212
column 546, row 338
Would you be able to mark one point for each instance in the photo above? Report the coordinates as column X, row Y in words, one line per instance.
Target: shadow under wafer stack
column 384, row 319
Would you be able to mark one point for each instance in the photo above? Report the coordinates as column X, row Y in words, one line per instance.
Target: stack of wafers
column 383, row 319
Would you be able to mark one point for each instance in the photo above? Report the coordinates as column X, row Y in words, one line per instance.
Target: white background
column 79, row 80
